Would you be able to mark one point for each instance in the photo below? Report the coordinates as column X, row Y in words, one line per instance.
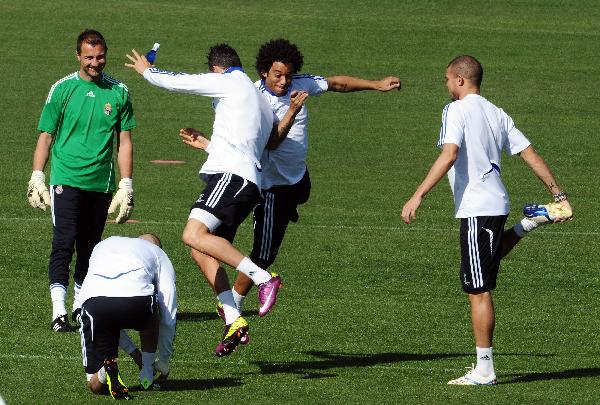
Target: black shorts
column 480, row 240
column 272, row 216
column 102, row 319
column 226, row 201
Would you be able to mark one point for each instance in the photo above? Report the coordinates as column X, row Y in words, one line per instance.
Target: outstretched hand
column 389, row 83
column 194, row 138
column 140, row 63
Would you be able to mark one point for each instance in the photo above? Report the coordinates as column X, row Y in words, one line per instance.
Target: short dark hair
column 278, row 50
column 224, row 56
column 468, row 67
column 91, row 37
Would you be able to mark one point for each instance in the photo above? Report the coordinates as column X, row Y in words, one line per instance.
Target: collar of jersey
column 233, row 69
column 262, row 82
column 91, row 82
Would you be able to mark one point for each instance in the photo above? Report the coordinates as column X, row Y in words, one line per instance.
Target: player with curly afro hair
column 285, row 179
column 278, row 50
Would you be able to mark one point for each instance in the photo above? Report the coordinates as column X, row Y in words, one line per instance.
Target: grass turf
column 371, row 310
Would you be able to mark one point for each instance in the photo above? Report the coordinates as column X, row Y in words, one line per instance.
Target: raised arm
column 281, row 129
column 345, row 84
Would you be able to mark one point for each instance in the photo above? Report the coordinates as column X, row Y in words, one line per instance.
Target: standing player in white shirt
column 474, row 132
column 232, row 172
column 127, row 281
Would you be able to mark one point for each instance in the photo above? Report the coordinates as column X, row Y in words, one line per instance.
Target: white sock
column 239, row 299
column 250, row 269
column 148, row 359
column 485, row 361
column 76, row 303
column 528, row 224
column 58, row 294
column 229, row 307
column 102, row 375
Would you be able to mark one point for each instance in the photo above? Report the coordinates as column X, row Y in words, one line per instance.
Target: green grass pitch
column 371, row 311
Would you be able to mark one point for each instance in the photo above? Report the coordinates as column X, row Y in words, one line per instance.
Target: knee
column 192, row 236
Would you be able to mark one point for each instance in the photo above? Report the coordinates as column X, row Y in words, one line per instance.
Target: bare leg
column 482, row 318
column 197, row 236
column 243, row 284
column 213, row 272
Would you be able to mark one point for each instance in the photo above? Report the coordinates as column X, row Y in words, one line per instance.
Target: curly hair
column 278, row 50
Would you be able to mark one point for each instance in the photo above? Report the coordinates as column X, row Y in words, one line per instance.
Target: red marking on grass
column 168, row 162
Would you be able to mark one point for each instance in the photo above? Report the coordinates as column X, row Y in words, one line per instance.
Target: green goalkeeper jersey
column 83, row 118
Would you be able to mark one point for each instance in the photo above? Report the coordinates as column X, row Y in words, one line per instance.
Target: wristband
column 558, row 197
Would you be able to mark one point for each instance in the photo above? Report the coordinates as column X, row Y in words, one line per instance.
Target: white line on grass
column 411, row 228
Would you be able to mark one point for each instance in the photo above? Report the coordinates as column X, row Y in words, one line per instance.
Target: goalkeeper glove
column 37, row 192
column 123, row 198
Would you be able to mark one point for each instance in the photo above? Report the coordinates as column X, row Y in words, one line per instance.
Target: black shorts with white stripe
column 230, row 198
column 480, row 239
column 272, row 216
column 102, row 319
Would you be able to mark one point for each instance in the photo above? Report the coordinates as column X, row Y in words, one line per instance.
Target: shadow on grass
column 327, row 361
column 205, row 316
column 195, row 384
column 554, row 375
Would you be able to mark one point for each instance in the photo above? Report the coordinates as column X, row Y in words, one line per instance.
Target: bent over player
column 130, row 285
column 474, row 132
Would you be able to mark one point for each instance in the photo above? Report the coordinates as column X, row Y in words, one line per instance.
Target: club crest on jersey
column 107, row 108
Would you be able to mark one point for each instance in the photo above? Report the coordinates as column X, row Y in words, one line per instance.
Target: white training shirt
column 286, row 164
column 243, row 119
column 133, row 267
column 481, row 130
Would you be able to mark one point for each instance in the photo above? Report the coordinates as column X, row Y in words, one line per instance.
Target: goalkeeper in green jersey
column 81, row 115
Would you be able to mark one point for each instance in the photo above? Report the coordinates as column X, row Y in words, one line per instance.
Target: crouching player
column 130, row 285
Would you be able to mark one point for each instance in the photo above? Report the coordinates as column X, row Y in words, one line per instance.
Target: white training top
column 286, row 164
column 481, row 130
column 133, row 267
column 243, row 119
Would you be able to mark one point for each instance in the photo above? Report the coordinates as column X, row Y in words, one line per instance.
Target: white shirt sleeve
column 313, row 85
column 453, row 127
column 515, row 140
column 167, row 303
column 204, row 84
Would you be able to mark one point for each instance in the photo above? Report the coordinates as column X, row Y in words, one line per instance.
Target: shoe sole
column 234, row 342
